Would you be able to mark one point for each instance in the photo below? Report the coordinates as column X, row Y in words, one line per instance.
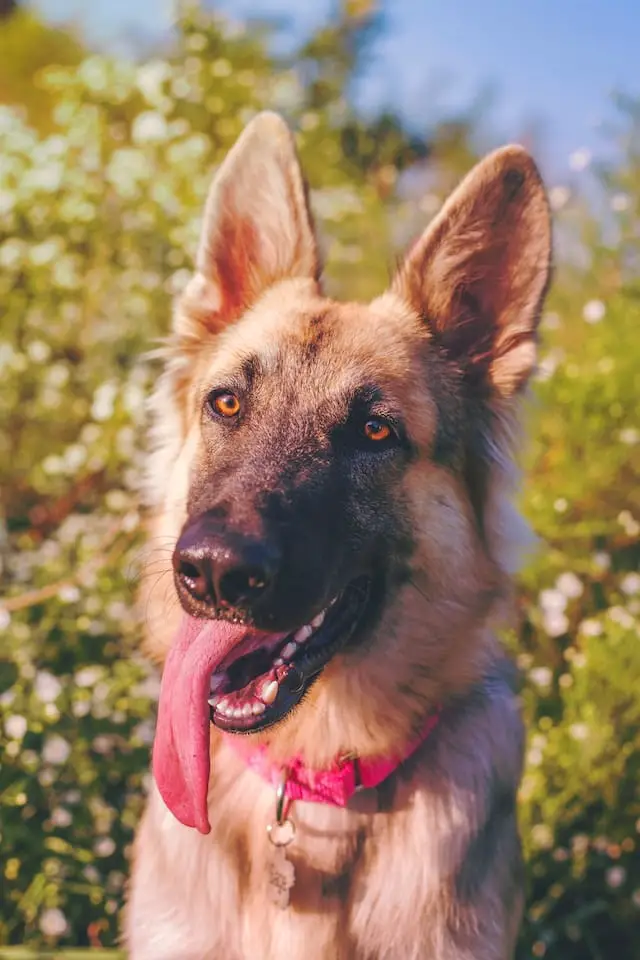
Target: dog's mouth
column 260, row 687
column 258, row 679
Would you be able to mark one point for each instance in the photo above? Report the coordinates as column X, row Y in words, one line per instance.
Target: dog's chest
column 210, row 896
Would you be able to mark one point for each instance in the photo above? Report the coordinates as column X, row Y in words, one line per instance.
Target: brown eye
column 377, row 430
column 225, row 404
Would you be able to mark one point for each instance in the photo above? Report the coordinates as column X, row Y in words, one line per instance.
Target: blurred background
column 112, row 118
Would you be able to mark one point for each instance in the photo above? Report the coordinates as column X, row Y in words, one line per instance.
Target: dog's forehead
column 329, row 343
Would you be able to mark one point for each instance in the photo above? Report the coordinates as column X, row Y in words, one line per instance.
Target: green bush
column 98, row 223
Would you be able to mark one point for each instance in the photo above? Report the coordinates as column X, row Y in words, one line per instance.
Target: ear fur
column 257, row 227
column 479, row 273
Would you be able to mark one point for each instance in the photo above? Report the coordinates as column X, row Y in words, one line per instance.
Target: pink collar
column 338, row 783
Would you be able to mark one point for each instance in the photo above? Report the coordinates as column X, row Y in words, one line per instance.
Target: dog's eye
column 224, row 403
column 377, row 430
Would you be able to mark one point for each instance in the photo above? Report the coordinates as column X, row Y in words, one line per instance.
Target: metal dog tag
column 281, row 833
column 282, row 877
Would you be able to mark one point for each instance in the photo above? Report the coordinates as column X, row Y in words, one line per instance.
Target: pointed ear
column 257, row 227
column 479, row 273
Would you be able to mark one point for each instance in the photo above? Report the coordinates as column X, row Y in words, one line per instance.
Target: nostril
column 243, row 583
column 193, row 577
column 188, row 570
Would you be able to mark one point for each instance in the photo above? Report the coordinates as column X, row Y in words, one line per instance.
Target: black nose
column 223, row 569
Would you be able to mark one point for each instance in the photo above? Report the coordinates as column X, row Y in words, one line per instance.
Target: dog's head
column 331, row 476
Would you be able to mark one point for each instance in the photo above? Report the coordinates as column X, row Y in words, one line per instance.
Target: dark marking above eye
column 316, row 336
column 252, row 368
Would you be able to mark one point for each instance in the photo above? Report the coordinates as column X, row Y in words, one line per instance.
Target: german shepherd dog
column 335, row 481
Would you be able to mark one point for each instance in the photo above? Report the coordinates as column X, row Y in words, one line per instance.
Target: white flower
column 148, row 688
column 61, row 817
column 57, row 375
column 56, row 749
column 579, row 731
column 104, row 847
column 45, row 252
column 150, row 79
column 570, row 585
column 74, row 457
column 555, row 623
column 541, row 676
column 103, row 401
column 553, row 601
column 628, row 523
column 551, row 321
column 5, row 618
column 149, row 127
column 69, row 593
column 47, row 687
column 53, row 922
column 580, row 159
column 601, row 560
column 619, row 202
column 615, row 877
column 542, row 836
column 15, row 726
column 560, row 505
column 630, row 583
column 144, row 731
column 534, row 757
column 629, row 436
column 622, row 617
column 593, row 311
column 53, row 465
column 88, row 676
column 559, row 197
column 590, row 627
column 80, row 708
column 39, row 351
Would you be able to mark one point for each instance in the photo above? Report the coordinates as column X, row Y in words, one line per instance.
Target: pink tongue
column 181, row 758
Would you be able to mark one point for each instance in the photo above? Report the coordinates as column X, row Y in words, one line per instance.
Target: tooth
column 288, row 651
column 236, row 712
column 216, row 682
column 246, row 710
column 214, row 700
column 317, row 621
column 303, row 634
column 257, row 708
column 270, row 691
column 278, row 662
column 222, row 706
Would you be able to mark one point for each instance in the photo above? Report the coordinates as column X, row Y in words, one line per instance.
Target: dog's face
column 332, row 473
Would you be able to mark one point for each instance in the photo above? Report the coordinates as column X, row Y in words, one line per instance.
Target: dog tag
column 282, row 877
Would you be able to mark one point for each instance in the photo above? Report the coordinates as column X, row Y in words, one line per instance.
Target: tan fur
column 372, row 882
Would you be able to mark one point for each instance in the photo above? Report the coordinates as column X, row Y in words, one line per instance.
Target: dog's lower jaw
column 437, row 875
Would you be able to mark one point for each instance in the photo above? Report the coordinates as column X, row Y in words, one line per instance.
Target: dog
column 339, row 744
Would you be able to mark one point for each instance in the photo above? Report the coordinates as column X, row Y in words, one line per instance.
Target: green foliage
column 27, row 46
column 98, row 224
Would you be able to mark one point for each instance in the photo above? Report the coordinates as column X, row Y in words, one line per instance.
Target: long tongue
column 181, row 758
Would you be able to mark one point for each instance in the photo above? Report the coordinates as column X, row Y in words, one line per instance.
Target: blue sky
column 555, row 62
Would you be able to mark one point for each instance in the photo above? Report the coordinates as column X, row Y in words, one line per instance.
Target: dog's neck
column 335, row 784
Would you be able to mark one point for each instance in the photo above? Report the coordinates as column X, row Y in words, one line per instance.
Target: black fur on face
column 293, row 480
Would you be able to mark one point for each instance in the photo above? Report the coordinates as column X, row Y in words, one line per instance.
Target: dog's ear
column 257, row 227
column 479, row 273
